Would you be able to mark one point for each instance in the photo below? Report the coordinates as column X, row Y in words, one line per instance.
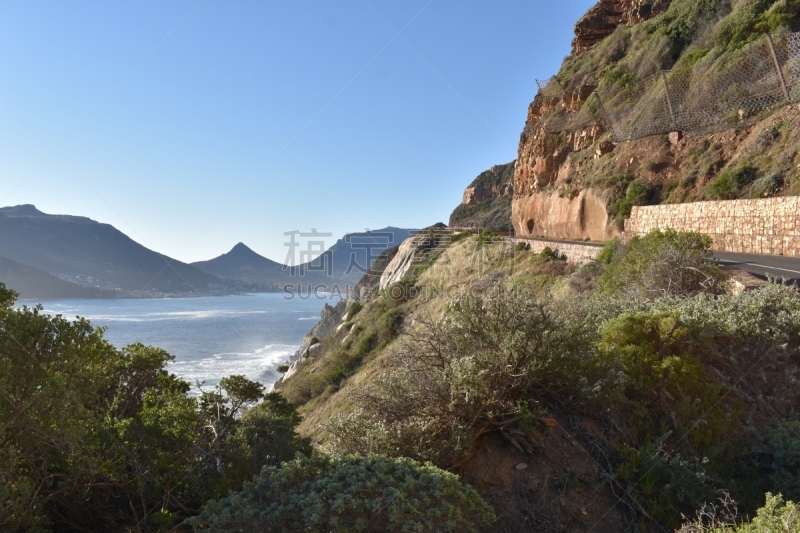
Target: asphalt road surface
column 763, row 266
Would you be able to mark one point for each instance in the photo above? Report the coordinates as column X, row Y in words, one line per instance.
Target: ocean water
column 210, row 337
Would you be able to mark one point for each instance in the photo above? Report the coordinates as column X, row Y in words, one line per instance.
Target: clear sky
column 193, row 125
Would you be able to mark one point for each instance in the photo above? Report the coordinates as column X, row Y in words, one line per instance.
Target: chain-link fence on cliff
column 762, row 76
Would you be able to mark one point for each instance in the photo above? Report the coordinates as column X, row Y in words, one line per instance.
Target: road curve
column 763, row 266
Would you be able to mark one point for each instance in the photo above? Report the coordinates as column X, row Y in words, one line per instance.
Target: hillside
column 81, row 250
column 487, row 201
column 611, row 396
column 733, row 136
column 32, row 283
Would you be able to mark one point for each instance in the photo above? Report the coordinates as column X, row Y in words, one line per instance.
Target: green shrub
column 753, row 18
column 683, row 19
column 731, row 182
column 663, row 263
column 355, row 308
column 521, row 247
column 313, row 341
column 473, row 366
column 486, row 237
column 783, row 443
column 282, row 369
column 776, row 516
column 349, row 493
column 103, row 439
column 547, row 255
column 637, row 193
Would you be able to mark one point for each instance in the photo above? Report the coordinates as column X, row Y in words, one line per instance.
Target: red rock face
column 475, row 195
column 543, row 168
column 542, row 156
column 604, row 18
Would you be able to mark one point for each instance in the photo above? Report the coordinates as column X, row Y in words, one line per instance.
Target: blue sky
column 194, row 125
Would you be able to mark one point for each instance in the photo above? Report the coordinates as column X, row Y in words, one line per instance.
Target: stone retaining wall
column 576, row 253
column 767, row 226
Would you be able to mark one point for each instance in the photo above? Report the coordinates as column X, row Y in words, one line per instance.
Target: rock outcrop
column 489, row 185
column 486, row 203
column 544, row 204
column 414, row 251
column 606, row 15
column 549, row 215
column 549, row 199
column 371, row 281
column 330, row 318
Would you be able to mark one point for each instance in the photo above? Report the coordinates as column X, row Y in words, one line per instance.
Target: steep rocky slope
column 486, row 203
column 579, row 183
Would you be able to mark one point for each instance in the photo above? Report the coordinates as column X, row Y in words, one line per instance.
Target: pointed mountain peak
column 240, row 248
column 242, row 252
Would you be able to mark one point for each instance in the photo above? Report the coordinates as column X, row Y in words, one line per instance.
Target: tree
column 99, row 438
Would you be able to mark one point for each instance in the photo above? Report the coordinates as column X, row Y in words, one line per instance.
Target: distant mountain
column 357, row 252
column 243, row 264
column 33, row 283
column 89, row 253
column 346, row 261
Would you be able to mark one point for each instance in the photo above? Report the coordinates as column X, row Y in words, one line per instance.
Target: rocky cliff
column 486, row 203
column 607, row 15
column 572, row 180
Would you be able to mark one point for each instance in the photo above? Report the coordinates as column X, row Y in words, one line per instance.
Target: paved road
column 776, row 266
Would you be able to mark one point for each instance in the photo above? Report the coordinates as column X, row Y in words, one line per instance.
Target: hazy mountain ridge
column 344, row 262
column 63, row 256
column 89, row 253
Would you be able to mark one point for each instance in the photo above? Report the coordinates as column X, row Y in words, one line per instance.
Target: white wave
column 259, row 365
column 172, row 315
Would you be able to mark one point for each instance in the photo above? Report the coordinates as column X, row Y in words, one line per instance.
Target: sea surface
column 210, row 337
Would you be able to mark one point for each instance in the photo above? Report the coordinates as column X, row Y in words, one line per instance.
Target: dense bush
column 776, row 516
column 754, row 18
column 637, row 193
column 96, row 438
column 709, row 387
column 695, row 390
column 350, row 493
column 729, row 184
column 474, row 368
column 662, row 263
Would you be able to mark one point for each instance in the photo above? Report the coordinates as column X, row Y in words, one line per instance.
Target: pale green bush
column 486, row 360
column 349, row 493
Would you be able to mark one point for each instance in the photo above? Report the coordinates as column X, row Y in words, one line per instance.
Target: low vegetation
column 349, row 493
column 660, row 357
column 679, row 390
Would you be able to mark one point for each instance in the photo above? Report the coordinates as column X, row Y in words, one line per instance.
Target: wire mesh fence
column 762, row 76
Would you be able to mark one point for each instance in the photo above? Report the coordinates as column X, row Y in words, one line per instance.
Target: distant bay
column 210, row 337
